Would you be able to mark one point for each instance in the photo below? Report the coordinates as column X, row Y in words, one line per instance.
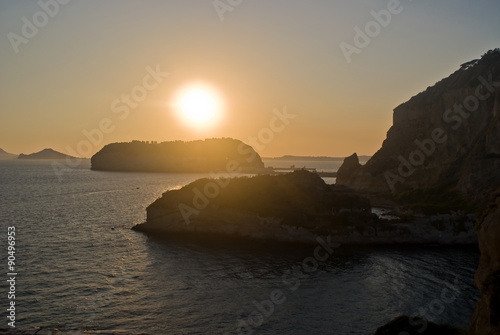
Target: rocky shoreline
column 330, row 211
column 443, row 151
column 441, row 157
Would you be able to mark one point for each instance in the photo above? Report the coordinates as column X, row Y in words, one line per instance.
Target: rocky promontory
column 210, row 155
column 445, row 140
column 442, row 153
column 295, row 207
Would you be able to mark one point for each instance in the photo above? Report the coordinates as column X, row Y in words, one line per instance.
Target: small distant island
column 210, row 155
column 46, row 154
column 6, row 155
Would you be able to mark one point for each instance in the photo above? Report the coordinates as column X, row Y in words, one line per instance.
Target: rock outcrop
column 349, row 168
column 211, row 155
column 295, row 207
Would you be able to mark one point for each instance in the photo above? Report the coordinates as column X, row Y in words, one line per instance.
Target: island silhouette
column 46, row 154
column 210, row 155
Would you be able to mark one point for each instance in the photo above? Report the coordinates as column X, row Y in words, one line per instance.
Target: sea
column 78, row 264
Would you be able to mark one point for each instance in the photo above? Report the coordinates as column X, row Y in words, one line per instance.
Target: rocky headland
column 445, row 140
column 442, row 154
column 210, row 155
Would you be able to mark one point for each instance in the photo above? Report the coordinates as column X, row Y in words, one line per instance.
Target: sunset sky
column 70, row 74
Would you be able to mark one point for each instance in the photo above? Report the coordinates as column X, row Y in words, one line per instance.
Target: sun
column 199, row 106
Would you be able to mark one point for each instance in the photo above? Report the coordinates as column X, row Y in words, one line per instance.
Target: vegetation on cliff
column 444, row 145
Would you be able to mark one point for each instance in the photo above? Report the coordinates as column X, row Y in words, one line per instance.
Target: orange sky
column 68, row 78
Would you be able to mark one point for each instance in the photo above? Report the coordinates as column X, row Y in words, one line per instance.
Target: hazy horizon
column 69, row 74
column 219, row 193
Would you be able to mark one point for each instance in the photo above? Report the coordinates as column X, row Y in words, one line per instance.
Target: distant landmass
column 210, row 155
column 46, row 154
column 6, row 155
column 312, row 158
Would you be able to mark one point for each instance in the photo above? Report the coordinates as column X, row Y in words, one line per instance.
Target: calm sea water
column 320, row 165
column 80, row 265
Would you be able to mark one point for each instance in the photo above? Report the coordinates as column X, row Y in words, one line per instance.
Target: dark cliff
column 445, row 139
column 445, row 144
column 211, row 155
column 486, row 319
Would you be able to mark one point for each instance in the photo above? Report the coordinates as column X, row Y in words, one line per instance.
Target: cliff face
column 211, row 155
column 446, row 141
column 447, row 136
column 486, row 319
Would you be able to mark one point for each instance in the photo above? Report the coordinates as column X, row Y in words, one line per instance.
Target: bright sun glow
column 199, row 106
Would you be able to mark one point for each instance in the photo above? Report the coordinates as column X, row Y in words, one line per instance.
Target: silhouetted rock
column 445, row 140
column 46, row 154
column 211, row 155
column 348, row 169
column 295, row 207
